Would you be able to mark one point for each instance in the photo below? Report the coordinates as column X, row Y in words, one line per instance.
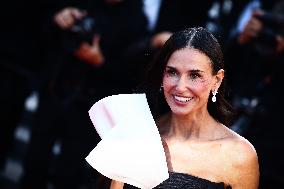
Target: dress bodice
column 185, row 181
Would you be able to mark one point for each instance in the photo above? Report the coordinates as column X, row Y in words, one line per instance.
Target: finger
column 67, row 22
column 96, row 39
column 78, row 14
column 61, row 22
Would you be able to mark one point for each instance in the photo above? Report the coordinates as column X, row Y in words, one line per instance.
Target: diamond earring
column 214, row 92
column 161, row 88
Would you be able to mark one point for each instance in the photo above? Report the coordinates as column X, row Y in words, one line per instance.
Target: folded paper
column 131, row 149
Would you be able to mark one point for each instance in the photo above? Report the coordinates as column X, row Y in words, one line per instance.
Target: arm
column 116, row 185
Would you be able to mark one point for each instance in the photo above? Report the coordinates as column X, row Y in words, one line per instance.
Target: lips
column 182, row 99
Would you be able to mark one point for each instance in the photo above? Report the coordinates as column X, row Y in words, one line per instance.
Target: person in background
column 89, row 38
column 187, row 81
column 255, row 57
column 163, row 18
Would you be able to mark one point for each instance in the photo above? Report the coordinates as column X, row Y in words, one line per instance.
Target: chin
column 180, row 112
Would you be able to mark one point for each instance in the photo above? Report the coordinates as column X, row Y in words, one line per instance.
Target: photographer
column 88, row 38
column 255, row 56
column 266, row 30
column 79, row 26
column 255, row 48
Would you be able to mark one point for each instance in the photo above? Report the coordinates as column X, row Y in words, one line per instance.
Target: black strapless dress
column 185, row 181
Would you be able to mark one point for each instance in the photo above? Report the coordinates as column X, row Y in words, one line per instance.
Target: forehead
column 189, row 58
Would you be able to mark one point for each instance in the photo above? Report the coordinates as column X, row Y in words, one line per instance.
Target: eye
column 194, row 75
column 171, row 72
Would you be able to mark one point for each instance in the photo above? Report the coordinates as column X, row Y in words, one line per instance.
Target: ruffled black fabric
column 185, row 181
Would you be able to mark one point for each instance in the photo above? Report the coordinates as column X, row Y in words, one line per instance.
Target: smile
column 182, row 99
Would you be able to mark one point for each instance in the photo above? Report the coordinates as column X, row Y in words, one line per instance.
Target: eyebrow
column 193, row 70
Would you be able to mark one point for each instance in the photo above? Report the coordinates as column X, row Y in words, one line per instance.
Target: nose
column 181, row 84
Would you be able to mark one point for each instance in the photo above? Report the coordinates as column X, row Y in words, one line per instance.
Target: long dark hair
column 197, row 38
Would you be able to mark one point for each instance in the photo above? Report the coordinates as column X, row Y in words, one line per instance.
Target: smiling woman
column 201, row 151
column 188, row 80
column 199, row 55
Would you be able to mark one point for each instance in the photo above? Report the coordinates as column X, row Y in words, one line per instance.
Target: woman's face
column 188, row 81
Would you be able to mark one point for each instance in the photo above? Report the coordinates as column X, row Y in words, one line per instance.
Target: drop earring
column 161, row 88
column 214, row 92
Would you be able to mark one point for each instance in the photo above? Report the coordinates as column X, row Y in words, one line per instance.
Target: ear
column 218, row 79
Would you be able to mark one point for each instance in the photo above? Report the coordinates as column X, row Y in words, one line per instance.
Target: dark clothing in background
column 19, row 63
column 254, row 71
column 179, row 14
column 172, row 16
column 70, row 88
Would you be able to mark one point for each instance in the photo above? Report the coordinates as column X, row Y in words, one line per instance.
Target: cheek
column 198, row 88
column 167, row 84
column 167, row 89
column 202, row 89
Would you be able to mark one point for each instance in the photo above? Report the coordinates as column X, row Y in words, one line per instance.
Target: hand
column 91, row 54
column 279, row 44
column 67, row 17
column 252, row 28
column 159, row 39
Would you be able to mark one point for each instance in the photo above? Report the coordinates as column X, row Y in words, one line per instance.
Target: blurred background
column 57, row 58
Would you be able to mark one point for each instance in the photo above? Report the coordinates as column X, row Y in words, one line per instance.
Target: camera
column 82, row 31
column 84, row 26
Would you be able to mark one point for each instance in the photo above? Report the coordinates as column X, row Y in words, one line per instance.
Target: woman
column 201, row 151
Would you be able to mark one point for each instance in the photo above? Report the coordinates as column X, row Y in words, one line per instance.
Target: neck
column 195, row 126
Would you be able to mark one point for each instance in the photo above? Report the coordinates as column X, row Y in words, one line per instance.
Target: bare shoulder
column 239, row 148
column 242, row 158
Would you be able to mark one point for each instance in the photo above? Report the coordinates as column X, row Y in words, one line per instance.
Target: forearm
column 116, row 185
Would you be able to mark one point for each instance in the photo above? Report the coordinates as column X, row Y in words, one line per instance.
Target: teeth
column 182, row 99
